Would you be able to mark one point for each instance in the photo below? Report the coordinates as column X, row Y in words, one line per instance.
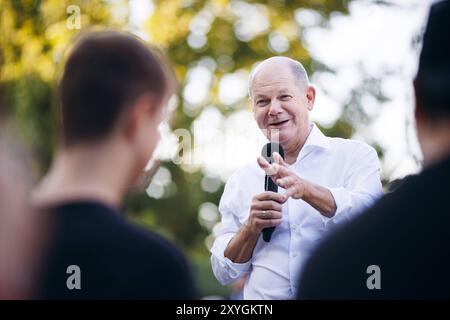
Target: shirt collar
column 316, row 140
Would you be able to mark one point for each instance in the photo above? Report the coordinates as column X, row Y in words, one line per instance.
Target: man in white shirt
column 322, row 182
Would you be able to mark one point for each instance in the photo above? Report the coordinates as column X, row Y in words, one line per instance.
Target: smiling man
column 322, row 182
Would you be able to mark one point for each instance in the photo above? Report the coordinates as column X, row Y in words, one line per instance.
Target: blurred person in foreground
column 113, row 94
column 22, row 230
column 399, row 249
column 323, row 182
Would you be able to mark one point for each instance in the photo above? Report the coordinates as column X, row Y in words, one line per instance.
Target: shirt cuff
column 235, row 270
column 231, row 269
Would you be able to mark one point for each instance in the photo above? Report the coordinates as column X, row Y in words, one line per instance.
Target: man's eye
column 285, row 97
column 261, row 102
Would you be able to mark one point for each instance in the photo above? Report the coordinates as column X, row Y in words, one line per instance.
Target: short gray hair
column 296, row 67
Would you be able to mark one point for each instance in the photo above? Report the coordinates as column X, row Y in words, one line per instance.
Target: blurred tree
column 34, row 36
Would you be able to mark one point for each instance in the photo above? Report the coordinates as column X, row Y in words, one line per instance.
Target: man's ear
column 139, row 113
column 310, row 97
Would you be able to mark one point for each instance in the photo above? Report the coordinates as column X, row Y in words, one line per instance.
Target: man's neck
column 292, row 150
column 92, row 173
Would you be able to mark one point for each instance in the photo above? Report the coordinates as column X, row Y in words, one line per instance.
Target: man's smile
column 278, row 123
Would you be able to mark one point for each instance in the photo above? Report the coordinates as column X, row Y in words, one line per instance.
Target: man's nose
column 275, row 107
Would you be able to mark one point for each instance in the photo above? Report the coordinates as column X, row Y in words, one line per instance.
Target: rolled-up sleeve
column 361, row 189
column 224, row 269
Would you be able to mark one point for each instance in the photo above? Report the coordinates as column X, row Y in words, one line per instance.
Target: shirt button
column 294, row 255
column 294, row 227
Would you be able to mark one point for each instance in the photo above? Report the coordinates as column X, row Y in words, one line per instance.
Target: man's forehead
column 277, row 83
column 265, row 90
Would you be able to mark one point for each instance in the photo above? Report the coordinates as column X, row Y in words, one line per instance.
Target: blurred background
column 361, row 55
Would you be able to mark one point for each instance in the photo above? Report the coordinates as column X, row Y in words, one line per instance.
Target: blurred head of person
column 112, row 93
column 432, row 87
column 21, row 228
column 114, row 88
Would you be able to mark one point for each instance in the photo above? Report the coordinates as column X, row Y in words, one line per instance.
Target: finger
column 270, row 223
column 270, row 195
column 269, row 169
column 285, row 182
column 267, row 205
column 281, row 171
column 268, row 214
column 263, row 163
column 279, row 159
column 290, row 191
column 273, row 170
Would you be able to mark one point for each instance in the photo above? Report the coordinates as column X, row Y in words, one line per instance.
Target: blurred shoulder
column 160, row 269
column 152, row 247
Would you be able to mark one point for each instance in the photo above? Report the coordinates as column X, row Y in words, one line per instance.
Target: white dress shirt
column 349, row 169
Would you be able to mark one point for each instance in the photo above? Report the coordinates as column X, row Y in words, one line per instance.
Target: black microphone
column 269, row 185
